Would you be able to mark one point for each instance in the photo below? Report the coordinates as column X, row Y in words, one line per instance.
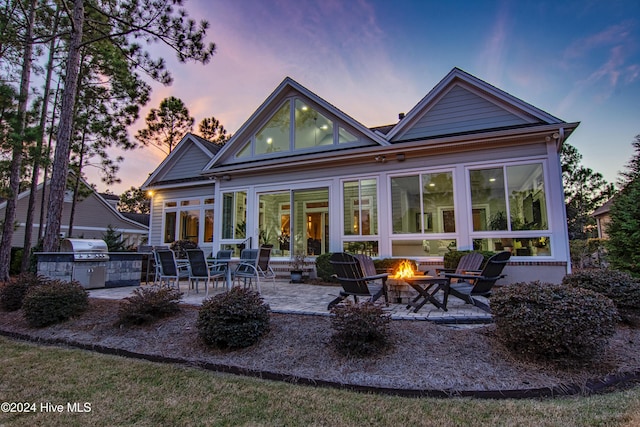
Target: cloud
column 608, row 58
column 492, row 56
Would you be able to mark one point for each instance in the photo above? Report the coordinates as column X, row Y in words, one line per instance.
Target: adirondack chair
column 474, row 285
column 427, row 286
column 357, row 278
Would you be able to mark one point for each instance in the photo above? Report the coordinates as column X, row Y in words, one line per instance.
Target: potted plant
column 297, row 263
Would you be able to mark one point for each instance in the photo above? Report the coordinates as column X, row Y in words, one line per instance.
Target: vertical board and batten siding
column 189, row 164
column 461, row 110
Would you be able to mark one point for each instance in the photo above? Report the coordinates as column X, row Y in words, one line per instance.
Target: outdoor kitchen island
column 88, row 262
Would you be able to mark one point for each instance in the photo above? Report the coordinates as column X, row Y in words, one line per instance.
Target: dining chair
column 169, row 270
column 199, row 270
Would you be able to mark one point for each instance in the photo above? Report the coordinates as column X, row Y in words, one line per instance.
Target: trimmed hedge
column 53, row 302
column 452, row 258
column 360, row 330
column 554, row 322
column 233, row 319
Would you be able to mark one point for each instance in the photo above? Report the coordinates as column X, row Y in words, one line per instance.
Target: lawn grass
column 131, row 392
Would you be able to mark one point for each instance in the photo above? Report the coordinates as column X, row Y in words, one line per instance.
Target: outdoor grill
column 90, row 257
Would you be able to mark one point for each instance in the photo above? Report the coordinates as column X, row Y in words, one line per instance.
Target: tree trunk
column 16, row 160
column 28, row 228
column 45, row 175
column 65, row 126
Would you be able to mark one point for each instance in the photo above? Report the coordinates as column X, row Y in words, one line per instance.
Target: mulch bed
column 426, row 359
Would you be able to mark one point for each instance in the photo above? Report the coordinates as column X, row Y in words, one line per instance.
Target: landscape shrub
column 15, row 264
column 360, row 330
column 452, row 258
column 180, row 247
column 233, row 319
column 147, row 304
column 53, row 302
column 621, row 287
column 324, row 269
column 553, row 322
column 13, row 291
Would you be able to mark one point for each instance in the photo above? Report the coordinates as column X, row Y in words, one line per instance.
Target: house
column 602, row 216
column 93, row 215
column 469, row 167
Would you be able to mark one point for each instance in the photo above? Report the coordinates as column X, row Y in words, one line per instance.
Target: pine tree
column 166, row 125
column 624, row 228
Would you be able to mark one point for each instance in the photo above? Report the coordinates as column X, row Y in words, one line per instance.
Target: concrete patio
column 286, row 297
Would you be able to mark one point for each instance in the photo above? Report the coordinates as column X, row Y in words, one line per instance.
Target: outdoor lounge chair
column 168, row 269
column 356, row 280
column 469, row 286
column 469, row 263
column 428, row 286
column 199, row 270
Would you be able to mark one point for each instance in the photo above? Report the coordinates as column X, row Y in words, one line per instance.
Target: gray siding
column 461, row 110
column 91, row 219
column 190, row 164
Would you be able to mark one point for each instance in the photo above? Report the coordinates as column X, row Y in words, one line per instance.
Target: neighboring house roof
column 137, row 217
column 185, row 162
column 101, row 200
column 604, row 209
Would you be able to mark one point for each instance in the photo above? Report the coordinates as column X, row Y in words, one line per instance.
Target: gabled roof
column 109, row 206
column 461, row 103
column 273, row 102
column 199, row 151
column 604, row 209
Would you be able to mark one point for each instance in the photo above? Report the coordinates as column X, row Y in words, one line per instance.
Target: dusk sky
column 577, row 60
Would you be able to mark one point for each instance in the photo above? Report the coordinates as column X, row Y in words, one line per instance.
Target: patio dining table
column 227, row 262
column 427, row 287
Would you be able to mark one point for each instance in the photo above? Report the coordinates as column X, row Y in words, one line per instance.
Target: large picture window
column 508, row 199
column 188, row 219
column 360, row 204
column 510, row 203
column 360, row 216
column 423, row 204
column 296, row 126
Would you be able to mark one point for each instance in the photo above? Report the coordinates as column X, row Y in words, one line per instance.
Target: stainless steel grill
column 86, row 249
column 90, row 257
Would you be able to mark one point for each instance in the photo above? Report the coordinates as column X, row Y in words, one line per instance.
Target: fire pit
column 405, row 278
column 397, row 282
